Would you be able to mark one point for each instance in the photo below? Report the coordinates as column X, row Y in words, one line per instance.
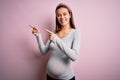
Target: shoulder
column 76, row 31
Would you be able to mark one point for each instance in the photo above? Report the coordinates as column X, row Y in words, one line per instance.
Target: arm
column 73, row 52
column 43, row 48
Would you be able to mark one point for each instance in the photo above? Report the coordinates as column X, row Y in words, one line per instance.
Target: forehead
column 62, row 10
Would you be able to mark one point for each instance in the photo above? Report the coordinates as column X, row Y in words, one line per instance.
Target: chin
column 63, row 24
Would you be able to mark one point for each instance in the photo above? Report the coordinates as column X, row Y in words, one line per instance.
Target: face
column 63, row 16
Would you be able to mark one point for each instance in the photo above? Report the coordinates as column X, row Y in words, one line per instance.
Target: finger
column 31, row 26
column 48, row 31
column 35, row 28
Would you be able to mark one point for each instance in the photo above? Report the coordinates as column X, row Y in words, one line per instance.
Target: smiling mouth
column 63, row 21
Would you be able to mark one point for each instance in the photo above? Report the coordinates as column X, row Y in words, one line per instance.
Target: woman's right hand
column 35, row 30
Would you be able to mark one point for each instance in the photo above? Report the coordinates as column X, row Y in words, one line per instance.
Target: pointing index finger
column 31, row 26
column 48, row 31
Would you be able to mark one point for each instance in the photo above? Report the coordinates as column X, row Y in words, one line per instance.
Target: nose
column 62, row 16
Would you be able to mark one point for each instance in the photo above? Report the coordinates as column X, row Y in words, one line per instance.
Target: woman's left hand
column 51, row 34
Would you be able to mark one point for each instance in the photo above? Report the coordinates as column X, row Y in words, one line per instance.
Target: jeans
column 49, row 78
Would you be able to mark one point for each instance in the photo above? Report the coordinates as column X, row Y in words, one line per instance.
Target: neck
column 66, row 28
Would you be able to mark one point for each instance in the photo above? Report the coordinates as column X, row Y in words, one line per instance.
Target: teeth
column 62, row 20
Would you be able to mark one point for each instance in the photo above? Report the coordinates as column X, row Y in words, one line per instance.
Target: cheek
column 68, row 18
column 58, row 19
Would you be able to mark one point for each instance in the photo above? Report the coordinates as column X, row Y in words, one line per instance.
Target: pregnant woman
column 63, row 44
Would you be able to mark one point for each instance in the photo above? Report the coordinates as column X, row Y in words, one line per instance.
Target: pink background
column 98, row 20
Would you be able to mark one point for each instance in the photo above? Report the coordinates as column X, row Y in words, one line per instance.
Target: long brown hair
column 72, row 24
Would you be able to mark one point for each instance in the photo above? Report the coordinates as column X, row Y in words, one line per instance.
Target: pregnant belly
column 57, row 67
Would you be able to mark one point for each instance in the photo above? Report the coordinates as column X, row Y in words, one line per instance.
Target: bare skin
column 36, row 30
column 63, row 18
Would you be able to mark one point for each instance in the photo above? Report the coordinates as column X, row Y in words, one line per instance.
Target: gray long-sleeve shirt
column 63, row 52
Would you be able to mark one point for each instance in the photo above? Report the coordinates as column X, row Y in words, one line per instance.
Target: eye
column 58, row 15
column 65, row 14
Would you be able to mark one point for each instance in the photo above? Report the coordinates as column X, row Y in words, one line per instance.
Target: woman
column 64, row 45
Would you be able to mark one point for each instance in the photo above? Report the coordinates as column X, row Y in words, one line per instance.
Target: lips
column 63, row 21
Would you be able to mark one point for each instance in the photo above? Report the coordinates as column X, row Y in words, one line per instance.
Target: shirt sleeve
column 43, row 48
column 73, row 52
